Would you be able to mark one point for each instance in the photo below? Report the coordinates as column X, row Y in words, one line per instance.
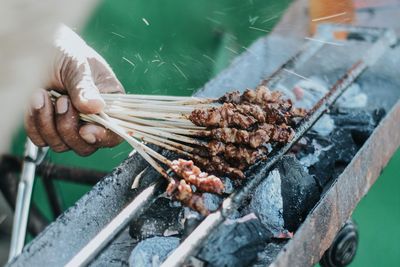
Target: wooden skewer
column 165, row 143
column 141, row 120
column 158, row 123
column 194, row 103
column 151, row 130
column 159, row 136
column 188, row 132
column 150, row 97
column 143, row 150
column 177, row 100
column 146, row 114
column 152, row 107
column 141, row 135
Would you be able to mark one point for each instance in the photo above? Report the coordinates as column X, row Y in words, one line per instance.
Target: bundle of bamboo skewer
column 223, row 136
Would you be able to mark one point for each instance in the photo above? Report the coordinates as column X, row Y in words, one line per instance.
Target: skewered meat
column 226, row 115
column 253, row 110
column 182, row 192
column 269, row 101
column 219, row 166
column 193, row 175
column 236, row 153
column 243, row 116
column 261, row 96
column 263, row 134
column 282, row 134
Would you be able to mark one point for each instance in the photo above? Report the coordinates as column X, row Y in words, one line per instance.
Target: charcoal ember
column 228, row 185
column 212, row 201
column 190, row 225
column 117, row 253
column 299, row 190
column 268, row 255
column 283, row 200
column 236, row 243
column 159, row 219
column 153, row 251
column 267, row 203
column 327, row 156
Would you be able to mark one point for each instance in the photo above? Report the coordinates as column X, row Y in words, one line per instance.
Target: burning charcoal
column 327, row 156
column 283, row 200
column 267, row 203
column 228, row 185
column 152, row 251
column 268, row 255
column 116, row 254
column 236, row 243
column 156, row 221
column 299, row 190
column 212, row 201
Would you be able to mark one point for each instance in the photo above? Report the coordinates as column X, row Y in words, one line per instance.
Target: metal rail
column 193, row 242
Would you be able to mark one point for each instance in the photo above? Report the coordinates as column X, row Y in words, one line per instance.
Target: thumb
column 84, row 94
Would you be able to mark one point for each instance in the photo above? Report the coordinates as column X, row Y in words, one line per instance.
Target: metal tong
column 33, row 156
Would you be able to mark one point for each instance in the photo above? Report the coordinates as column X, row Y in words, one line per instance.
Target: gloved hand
column 81, row 74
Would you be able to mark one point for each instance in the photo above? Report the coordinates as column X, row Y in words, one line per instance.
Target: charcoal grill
column 369, row 57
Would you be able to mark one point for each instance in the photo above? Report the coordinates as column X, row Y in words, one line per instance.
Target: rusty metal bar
column 193, row 242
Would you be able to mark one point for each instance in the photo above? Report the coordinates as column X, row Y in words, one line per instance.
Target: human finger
column 43, row 114
column 67, row 124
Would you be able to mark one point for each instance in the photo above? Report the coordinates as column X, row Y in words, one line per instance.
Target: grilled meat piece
column 193, row 175
column 244, row 116
column 226, row 115
column 236, row 153
column 182, row 192
column 234, row 97
column 282, row 134
column 219, row 166
column 260, row 96
column 263, row 134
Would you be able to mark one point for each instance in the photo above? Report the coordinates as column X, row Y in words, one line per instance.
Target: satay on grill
column 223, row 136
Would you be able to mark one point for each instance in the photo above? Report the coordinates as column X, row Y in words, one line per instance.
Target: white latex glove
column 81, row 73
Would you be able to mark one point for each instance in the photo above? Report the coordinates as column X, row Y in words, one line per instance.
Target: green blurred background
column 174, row 47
